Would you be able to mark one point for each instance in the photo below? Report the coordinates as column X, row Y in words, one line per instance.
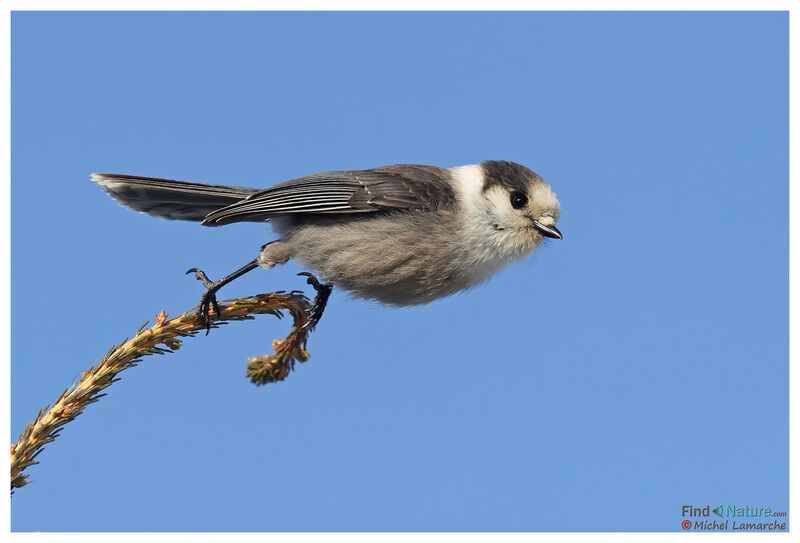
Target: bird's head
column 518, row 205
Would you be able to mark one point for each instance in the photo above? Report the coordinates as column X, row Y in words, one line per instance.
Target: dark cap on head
column 509, row 175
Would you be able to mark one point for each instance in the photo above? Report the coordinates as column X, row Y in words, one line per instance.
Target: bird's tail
column 179, row 200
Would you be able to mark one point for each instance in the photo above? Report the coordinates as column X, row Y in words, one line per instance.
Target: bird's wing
column 402, row 186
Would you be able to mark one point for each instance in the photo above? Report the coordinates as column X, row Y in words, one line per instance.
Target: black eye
column 518, row 200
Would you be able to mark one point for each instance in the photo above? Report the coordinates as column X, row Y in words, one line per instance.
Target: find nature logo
column 732, row 517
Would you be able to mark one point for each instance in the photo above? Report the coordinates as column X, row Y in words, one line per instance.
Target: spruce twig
column 163, row 337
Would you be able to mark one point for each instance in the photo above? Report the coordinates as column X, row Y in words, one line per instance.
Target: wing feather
column 402, row 186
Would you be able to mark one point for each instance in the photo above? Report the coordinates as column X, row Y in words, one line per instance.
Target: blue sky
column 636, row 366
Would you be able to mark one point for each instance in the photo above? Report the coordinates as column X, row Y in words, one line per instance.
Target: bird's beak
column 549, row 231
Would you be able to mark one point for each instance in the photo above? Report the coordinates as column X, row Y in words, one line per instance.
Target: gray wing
column 402, row 186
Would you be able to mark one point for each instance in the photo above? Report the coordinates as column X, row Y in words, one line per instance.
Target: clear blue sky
column 636, row 366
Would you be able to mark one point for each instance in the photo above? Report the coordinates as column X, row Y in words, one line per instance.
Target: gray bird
column 402, row 235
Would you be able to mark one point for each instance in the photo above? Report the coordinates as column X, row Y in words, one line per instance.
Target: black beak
column 549, row 231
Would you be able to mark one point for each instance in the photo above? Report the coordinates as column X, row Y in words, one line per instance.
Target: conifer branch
column 164, row 336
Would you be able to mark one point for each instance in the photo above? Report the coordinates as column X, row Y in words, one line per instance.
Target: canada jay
column 402, row 234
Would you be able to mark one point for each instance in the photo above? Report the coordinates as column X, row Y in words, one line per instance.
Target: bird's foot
column 208, row 299
column 320, row 300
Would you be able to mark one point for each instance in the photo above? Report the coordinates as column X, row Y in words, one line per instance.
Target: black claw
column 313, row 281
column 320, row 300
column 208, row 299
column 200, row 275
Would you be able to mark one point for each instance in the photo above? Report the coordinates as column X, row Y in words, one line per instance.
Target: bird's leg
column 320, row 300
column 209, row 298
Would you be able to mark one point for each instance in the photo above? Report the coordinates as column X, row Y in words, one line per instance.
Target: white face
column 514, row 215
column 500, row 221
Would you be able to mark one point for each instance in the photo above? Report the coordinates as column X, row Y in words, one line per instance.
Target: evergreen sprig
column 164, row 336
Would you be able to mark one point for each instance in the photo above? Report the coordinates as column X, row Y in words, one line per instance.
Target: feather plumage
column 402, row 186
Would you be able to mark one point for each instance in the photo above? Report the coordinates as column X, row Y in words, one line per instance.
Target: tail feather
column 169, row 199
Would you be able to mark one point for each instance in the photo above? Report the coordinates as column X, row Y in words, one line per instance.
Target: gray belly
column 404, row 259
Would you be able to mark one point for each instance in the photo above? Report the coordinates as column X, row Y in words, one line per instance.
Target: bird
column 402, row 235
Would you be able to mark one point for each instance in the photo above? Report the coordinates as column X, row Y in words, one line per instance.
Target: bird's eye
column 518, row 200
